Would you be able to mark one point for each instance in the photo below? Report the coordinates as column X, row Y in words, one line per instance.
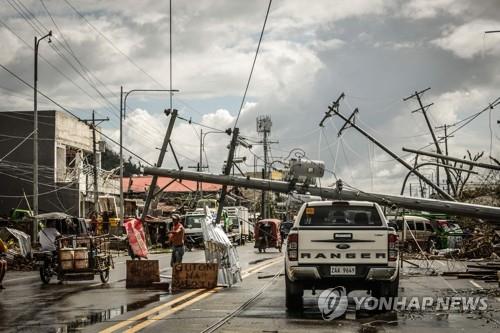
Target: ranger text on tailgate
column 341, row 243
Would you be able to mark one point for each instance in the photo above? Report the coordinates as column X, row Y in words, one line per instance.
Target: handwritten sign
column 194, row 276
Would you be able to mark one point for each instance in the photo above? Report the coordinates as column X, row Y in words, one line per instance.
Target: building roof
column 140, row 184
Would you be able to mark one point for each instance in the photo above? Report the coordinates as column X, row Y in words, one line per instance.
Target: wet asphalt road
column 28, row 306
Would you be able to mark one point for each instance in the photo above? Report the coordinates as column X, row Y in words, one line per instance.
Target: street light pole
column 202, row 147
column 35, row 135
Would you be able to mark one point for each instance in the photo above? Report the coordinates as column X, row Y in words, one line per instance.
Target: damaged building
column 65, row 163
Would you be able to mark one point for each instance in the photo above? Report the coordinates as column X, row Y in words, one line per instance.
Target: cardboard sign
column 194, row 276
column 142, row 273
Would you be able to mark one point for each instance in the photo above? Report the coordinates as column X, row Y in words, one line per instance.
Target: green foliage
column 111, row 160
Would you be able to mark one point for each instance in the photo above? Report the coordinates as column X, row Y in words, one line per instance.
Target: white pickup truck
column 341, row 243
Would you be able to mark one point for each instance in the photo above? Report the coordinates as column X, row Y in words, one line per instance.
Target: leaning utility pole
column 92, row 125
column 163, row 150
column 438, row 148
column 227, row 171
column 335, row 109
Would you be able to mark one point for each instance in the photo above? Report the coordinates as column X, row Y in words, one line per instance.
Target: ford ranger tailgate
column 342, row 234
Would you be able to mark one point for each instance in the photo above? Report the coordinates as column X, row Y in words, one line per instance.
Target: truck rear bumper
column 382, row 274
column 307, row 273
column 303, row 273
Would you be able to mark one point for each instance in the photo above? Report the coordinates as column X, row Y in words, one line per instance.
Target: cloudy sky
column 375, row 51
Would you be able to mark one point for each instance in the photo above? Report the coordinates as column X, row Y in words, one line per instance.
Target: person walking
column 176, row 238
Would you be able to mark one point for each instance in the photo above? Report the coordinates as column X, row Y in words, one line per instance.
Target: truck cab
column 341, row 243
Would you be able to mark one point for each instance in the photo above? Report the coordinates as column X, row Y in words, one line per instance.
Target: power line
column 17, row 146
column 68, row 78
column 117, row 49
column 253, row 64
column 71, row 113
column 112, row 44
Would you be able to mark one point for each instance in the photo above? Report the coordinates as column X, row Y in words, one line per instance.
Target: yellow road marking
column 162, row 315
column 255, row 269
column 150, row 312
column 204, row 293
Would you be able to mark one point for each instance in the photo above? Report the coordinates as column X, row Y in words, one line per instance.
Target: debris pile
column 17, row 249
column 481, row 244
column 485, row 271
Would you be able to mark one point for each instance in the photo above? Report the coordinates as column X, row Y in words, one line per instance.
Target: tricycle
column 267, row 234
column 76, row 259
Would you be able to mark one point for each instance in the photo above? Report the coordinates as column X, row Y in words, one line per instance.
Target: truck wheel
column 386, row 289
column 294, row 293
column 394, row 287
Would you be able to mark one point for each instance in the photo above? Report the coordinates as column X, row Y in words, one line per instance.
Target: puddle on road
column 105, row 315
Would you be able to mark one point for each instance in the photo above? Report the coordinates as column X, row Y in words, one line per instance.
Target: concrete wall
column 16, row 173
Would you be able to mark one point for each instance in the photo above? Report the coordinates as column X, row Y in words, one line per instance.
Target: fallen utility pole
column 431, row 205
column 227, row 171
column 443, row 193
column 434, row 139
column 454, row 159
column 163, row 150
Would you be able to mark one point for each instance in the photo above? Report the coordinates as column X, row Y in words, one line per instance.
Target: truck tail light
column 393, row 247
column 293, row 246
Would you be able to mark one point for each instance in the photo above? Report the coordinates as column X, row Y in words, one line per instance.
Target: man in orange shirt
column 176, row 237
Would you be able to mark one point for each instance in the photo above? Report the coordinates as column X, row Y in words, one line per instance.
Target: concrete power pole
column 264, row 125
column 92, row 125
column 166, row 142
column 35, row 136
column 445, row 138
column 227, row 171
column 432, row 205
column 423, row 108
column 264, row 208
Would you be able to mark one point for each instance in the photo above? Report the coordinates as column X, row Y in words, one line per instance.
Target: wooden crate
column 142, row 273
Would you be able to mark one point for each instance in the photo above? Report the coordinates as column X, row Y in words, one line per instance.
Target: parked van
column 418, row 228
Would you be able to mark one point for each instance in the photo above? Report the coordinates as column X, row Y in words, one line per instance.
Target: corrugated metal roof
column 139, row 184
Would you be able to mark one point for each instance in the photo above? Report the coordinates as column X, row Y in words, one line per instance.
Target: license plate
column 343, row 270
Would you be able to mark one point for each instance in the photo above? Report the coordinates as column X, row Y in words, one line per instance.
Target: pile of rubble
column 488, row 271
column 482, row 244
column 16, row 246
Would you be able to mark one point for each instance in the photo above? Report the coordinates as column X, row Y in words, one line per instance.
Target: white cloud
column 10, row 46
column 424, row 9
column 311, row 51
column 326, row 45
column 221, row 118
column 469, row 40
